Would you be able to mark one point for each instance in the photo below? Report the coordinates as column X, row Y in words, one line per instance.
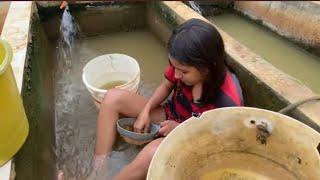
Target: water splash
column 67, row 95
column 69, row 32
column 195, row 7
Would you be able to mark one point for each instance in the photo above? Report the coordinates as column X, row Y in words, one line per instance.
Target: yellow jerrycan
column 14, row 126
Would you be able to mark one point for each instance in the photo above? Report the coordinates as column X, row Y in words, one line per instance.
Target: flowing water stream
column 195, row 6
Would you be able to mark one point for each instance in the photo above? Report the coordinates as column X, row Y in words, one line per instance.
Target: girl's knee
column 143, row 160
column 152, row 147
column 148, row 151
column 113, row 97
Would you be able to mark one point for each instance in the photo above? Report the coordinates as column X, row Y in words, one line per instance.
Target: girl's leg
column 138, row 168
column 118, row 102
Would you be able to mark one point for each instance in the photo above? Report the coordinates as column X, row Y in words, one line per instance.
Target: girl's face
column 187, row 74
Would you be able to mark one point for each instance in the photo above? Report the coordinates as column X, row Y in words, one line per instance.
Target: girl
column 199, row 79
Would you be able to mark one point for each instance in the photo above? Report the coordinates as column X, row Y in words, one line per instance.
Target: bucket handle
column 109, row 62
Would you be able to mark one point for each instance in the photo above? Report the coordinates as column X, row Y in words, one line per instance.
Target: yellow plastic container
column 14, row 126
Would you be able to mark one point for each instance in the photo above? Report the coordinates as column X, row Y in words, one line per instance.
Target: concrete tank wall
column 296, row 20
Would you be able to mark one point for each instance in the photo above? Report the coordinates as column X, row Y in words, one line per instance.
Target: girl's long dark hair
column 197, row 43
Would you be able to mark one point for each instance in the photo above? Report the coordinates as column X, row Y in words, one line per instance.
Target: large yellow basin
column 14, row 126
column 238, row 143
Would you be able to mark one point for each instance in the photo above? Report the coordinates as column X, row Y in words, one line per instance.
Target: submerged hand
column 167, row 126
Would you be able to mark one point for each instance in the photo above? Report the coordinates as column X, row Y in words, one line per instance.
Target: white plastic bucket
column 109, row 68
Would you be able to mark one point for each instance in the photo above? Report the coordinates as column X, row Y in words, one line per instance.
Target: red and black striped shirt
column 182, row 106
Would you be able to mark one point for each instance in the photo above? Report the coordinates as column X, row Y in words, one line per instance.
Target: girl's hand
column 167, row 126
column 142, row 123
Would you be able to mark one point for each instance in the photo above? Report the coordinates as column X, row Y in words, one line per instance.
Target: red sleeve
column 169, row 74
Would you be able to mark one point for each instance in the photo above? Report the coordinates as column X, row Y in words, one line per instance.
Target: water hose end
column 63, row 4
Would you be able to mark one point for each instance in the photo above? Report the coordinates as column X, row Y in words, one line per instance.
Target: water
column 75, row 112
column 240, row 166
column 280, row 52
column 69, row 31
column 195, row 7
column 113, row 84
column 233, row 174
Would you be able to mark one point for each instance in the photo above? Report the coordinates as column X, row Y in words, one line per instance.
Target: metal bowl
column 133, row 137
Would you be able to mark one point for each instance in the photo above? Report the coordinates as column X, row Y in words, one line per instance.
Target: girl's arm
column 160, row 94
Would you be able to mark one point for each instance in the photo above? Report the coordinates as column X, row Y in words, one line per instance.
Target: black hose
column 294, row 105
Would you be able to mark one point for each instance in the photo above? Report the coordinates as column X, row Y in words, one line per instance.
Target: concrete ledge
column 5, row 171
column 46, row 4
column 4, row 7
column 296, row 20
column 16, row 32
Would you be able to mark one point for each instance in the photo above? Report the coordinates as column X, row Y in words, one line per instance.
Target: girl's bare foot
column 99, row 161
column 99, row 167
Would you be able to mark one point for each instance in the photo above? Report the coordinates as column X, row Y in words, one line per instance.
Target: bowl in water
column 125, row 129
